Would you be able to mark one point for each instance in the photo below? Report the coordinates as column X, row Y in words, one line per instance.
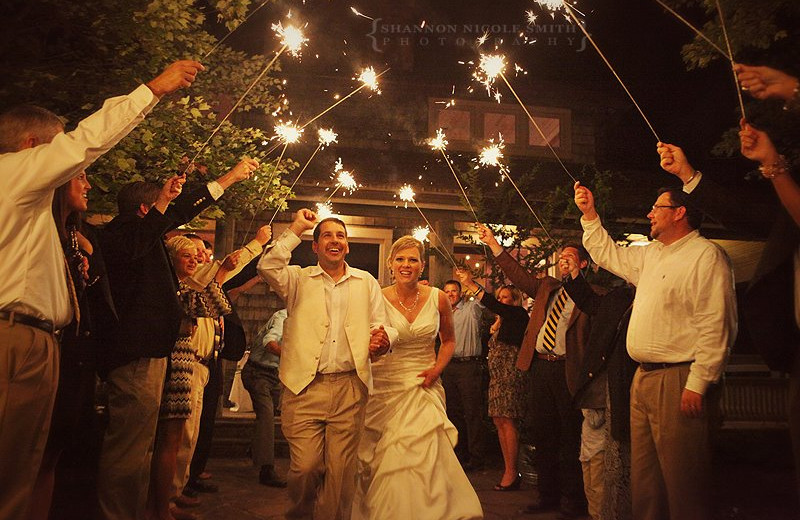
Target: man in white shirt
column 682, row 326
column 36, row 157
column 336, row 321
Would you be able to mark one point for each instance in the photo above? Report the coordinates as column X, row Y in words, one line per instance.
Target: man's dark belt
column 17, row 317
column 649, row 367
column 466, row 358
column 550, row 357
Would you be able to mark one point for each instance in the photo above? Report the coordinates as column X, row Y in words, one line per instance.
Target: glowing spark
column 421, row 233
column 492, row 154
column 291, row 37
column 551, row 5
column 288, row 133
column 490, row 66
column 355, row 11
column 482, row 39
column 327, row 136
column 370, row 79
column 439, row 142
column 530, row 17
column 406, row 194
column 324, row 210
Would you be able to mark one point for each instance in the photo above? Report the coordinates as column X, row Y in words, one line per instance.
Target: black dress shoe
column 268, row 477
column 511, row 487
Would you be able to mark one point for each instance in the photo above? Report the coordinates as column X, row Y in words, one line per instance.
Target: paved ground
column 753, row 476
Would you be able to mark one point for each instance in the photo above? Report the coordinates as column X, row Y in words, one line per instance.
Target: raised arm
column 518, row 275
column 274, row 264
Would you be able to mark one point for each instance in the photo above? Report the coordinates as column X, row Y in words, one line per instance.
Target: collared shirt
column 467, row 325
column 561, row 327
column 685, row 305
column 32, row 270
column 271, row 331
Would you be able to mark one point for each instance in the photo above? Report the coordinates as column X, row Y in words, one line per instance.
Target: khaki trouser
column 593, row 483
column 28, row 382
column 134, row 396
column 191, row 427
column 323, row 425
column 670, row 453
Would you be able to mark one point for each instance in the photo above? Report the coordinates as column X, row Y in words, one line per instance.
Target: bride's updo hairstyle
column 405, row 242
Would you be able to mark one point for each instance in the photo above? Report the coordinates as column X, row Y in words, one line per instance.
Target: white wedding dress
column 407, row 469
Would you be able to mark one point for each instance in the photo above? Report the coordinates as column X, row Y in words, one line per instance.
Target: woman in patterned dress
column 506, row 382
column 176, row 405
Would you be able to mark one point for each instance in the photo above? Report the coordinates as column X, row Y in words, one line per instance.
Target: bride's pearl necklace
column 400, row 300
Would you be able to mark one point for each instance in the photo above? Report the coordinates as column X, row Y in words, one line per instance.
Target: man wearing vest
column 335, row 322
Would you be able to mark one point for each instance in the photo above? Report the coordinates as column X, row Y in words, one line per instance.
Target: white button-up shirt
column 32, row 270
column 685, row 305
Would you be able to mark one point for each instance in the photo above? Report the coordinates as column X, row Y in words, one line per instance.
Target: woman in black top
column 506, row 382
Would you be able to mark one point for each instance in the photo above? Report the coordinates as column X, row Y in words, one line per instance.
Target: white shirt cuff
column 215, row 190
column 692, row 184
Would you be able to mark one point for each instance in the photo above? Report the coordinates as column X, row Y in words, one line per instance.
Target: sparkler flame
column 288, row 133
column 551, row 5
column 492, row 154
column 369, row 78
column 291, row 37
column 344, row 178
column 490, row 66
column 439, row 142
column 530, row 17
column 327, row 136
column 421, row 233
column 324, row 210
column 406, row 194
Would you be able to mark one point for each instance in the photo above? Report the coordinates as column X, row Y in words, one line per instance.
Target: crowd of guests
column 619, row 385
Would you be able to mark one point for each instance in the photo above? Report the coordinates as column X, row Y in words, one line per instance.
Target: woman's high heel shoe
column 511, row 487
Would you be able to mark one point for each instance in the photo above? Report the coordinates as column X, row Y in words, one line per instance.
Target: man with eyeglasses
column 682, row 326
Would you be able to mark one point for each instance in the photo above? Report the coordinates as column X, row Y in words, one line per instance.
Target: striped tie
column 549, row 339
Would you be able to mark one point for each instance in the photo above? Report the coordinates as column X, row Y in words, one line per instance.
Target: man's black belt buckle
column 649, row 367
column 17, row 317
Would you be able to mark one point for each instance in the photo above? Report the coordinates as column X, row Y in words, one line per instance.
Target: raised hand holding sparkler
column 406, row 194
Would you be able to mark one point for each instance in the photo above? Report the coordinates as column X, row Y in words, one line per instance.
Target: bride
column 406, row 465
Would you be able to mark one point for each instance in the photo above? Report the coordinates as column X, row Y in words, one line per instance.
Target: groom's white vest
column 304, row 331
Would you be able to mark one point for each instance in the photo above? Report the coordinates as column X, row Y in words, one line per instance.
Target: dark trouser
column 463, row 388
column 265, row 388
column 205, row 436
column 556, row 429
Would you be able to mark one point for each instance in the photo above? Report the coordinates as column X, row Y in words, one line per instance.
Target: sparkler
column 291, row 39
column 368, row 78
column 344, row 180
column 492, row 66
column 571, row 13
column 733, row 64
column 324, row 210
column 492, row 155
column 440, row 143
column 326, row 137
column 406, row 193
column 421, row 233
column 220, row 42
column 695, row 29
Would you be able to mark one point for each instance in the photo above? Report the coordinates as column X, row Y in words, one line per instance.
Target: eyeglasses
column 656, row 206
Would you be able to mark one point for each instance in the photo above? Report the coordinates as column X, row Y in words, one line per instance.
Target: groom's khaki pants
column 323, row 425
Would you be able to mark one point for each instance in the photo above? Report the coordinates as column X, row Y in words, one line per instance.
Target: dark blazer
column 515, row 320
column 606, row 357
column 541, row 290
column 142, row 281
column 768, row 303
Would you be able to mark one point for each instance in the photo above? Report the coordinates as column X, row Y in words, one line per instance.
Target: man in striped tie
column 552, row 351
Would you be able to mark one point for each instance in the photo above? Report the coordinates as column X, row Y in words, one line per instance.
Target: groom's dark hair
column 329, row 219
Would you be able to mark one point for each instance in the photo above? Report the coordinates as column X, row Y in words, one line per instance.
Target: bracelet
column 793, row 103
column 779, row 167
column 690, row 179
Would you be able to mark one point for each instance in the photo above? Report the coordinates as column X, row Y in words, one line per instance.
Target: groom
column 335, row 321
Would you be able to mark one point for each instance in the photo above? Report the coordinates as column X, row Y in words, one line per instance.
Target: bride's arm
column 447, row 336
